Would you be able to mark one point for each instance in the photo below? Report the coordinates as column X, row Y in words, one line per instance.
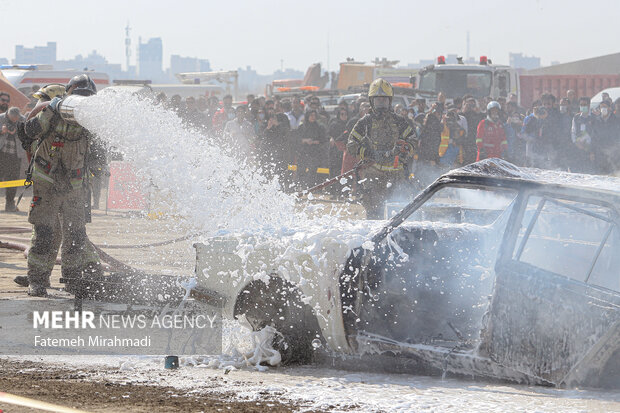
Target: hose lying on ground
column 111, row 263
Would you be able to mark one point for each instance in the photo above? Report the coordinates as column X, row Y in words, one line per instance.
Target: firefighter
column 384, row 140
column 59, row 170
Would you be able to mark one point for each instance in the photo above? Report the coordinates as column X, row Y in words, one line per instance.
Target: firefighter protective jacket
column 380, row 133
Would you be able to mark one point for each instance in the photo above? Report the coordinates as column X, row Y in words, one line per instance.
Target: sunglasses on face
column 4, row 100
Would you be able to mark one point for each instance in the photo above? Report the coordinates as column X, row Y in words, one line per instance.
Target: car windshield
column 457, row 83
column 462, row 205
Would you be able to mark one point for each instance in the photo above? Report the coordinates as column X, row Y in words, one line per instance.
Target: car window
column 574, row 239
column 458, row 205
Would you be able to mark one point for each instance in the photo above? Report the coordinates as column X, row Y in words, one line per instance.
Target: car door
column 555, row 308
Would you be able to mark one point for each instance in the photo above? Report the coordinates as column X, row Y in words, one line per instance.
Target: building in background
column 150, row 60
column 519, row 61
column 35, row 55
column 180, row 64
column 93, row 61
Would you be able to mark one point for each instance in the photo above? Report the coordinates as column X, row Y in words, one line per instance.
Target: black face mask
column 4, row 107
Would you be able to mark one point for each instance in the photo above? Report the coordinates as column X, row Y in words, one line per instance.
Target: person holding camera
column 10, row 151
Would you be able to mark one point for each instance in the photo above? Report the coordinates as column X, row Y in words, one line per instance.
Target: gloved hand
column 23, row 137
column 366, row 151
column 402, row 148
column 54, row 104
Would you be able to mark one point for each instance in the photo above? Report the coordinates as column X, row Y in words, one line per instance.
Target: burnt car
column 492, row 271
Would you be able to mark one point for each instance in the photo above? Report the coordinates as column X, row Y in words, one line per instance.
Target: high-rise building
column 518, row 61
column 180, row 64
column 150, row 59
column 37, row 54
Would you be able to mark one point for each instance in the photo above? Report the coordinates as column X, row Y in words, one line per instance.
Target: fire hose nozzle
column 67, row 107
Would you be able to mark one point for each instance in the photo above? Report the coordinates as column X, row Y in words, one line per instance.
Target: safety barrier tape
column 324, row 171
column 12, row 184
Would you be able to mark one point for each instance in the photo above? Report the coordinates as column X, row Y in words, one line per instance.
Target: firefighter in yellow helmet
column 384, row 139
column 60, row 167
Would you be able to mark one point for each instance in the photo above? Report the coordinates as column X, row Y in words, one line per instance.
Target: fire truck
column 24, row 77
column 456, row 80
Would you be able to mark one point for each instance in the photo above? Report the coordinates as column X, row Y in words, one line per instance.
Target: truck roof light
column 483, row 60
column 441, row 60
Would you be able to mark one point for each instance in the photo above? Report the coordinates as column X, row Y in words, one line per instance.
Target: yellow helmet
column 380, row 87
column 49, row 92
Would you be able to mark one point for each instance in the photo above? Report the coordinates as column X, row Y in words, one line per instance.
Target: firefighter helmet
column 49, row 92
column 81, row 85
column 380, row 88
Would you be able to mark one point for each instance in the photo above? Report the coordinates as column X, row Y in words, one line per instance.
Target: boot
column 22, row 281
column 10, row 207
column 37, row 290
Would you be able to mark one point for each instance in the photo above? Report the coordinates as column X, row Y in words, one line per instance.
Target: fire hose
column 358, row 167
column 14, row 243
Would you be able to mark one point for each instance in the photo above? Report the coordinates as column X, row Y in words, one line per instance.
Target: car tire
column 278, row 304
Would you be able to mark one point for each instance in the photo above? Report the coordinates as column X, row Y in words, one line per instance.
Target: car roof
column 495, row 168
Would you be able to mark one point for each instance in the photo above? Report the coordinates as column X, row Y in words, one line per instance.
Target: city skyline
column 261, row 35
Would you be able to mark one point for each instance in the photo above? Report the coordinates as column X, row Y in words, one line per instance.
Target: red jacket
column 491, row 139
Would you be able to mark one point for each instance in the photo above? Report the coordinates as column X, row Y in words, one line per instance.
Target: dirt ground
column 86, row 391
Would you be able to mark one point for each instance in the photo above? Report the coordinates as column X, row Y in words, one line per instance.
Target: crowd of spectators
column 296, row 139
column 12, row 156
column 292, row 138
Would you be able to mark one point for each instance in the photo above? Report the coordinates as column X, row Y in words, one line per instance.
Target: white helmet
column 494, row 104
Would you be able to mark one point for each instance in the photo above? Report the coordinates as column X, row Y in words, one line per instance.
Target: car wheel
column 278, row 304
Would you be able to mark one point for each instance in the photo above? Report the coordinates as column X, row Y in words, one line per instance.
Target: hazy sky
column 238, row 33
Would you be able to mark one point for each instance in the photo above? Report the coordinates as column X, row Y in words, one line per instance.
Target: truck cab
column 456, row 80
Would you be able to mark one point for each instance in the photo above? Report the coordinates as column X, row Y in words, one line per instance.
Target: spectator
column 312, row 149
column 161, row 99
column 5, row 100
column 191, row 115
column 512, row 98
column 515, row 120
column 473, row 118
column 260, row 121
column 10, row 154
column 430, row 135
column 531, row 133
column 573, row 102
column 605, row 139
column 565, row 142
column 296, row 115
column 250, row 98
column 239, row 133
column 420, row 106
column 491, row 137
column 176, row 104
column 582, row 129
column 338, row 137
column 224, row 115
column 323, row 116
column 452, row 139
column 213, row 104
column 273, row 146
column 550, row 142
